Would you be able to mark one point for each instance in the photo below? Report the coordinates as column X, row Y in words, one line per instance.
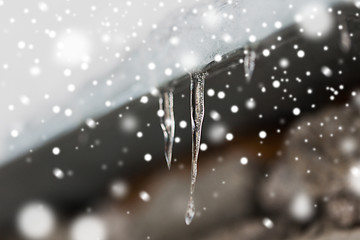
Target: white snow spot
column 67, row 72
column 262, row 134
column 216, row 133
column 144, row 196
column 73, row 47
column 168, row 72
column 301, row 207
column 348, row 145
column 43, row 7
column 284, row 63
column 129, row 123
column 35, row 221
column 119, row 189
column 144, row 99
column 35, row 71
column 182, row 124
column 147, row 157
column 296, row 111
column 217, row 58
column 88, row 227
column 301, row 54
column 234, row 109
column 268, row 223
column 56, row 151
column 326, row 71
column 315, row 20
column 278, row 24
column 161, row 113
column 211, row 92
column 215, row 115
column 90, row 123
column 266, row 52
column 229, row 136
column 244, row 160
column 203, row 147
column 25, row 100
column 276, row 84
column 252, row 38
column 221, row 95
column 357, row 3
column 174, row 41
column 151, row 66
column 21, row 44
column 71, row 87
column 14, row 133
column 58, row 173
column 56, row 109
column 250, row 104
column 353, row 179
column 68, row 112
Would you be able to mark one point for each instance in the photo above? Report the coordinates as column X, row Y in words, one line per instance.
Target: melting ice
column 345, row 41
column 167, row 122
column 197, row 116
column 249, row 63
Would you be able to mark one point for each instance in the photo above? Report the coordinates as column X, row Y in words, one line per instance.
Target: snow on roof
column 186, row 37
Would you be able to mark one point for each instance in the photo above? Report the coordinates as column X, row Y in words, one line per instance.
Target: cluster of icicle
column 197, row 113
column 167, row 122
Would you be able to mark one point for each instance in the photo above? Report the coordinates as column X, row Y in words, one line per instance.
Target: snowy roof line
column 187, row 40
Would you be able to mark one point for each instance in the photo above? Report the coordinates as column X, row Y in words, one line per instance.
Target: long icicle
column 167, row 122
column 197, row 117
column 249, row 63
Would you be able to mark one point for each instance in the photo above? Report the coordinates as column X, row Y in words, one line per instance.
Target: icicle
column 190, row 211
column 167, row 122
column 197, row 116
column 249, row 63
column 345, row 41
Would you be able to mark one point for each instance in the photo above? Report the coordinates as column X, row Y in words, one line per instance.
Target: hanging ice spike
column 249, row 63
column 167, row 122
column 197, row 116
column 345, row 41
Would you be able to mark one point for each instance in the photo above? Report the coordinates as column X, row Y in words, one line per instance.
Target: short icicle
column 249, row 63
column 167, row 122
column 345, row 41
column 197, row 116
